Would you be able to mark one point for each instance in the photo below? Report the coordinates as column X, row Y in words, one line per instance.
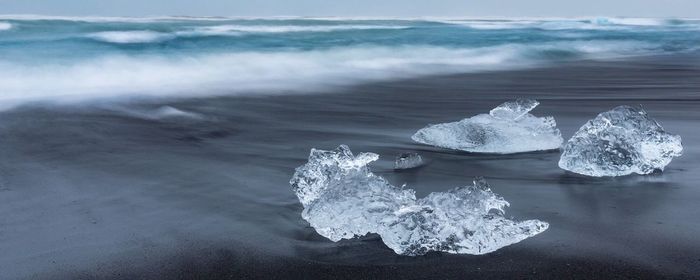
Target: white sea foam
column 147, row 36
column 253, row 72
column 5, row 26
column 492, row 24
column 229, row 29
column 100, row 19
column 631, row 21
column 130, row 37
column 600, row 23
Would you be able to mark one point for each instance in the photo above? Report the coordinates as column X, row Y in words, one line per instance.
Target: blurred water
column 198, row 187
column 66, row 59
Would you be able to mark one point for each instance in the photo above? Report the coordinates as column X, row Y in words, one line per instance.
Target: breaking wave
column 601, row 23
column 80, row 58
column 147, row 36
column 130, row 37
column 632, row 21
column 247, row 72
column 5, row 26
column 238, row 29
column 108, row 19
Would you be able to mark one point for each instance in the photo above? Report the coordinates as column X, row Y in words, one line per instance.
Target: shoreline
column 116, row 195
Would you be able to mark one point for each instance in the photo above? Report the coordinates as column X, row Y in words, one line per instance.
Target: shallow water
column 119, row 189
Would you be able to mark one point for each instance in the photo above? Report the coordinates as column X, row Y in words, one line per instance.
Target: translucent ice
column 509, row 128
column 513, row 110
column 343, row 199
column 619, row 142
column 408, row 160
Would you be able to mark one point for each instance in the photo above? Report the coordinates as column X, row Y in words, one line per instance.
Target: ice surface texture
column 408, row 160
column 514, row 110
column 508, row 128
column 619, row 142
column 343, row 199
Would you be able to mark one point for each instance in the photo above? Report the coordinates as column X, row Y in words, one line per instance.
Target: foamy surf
column 5, row 26
column 85, row 58
column 238, row 29
column 130, row 37
column 257, row 72
column 601, row 23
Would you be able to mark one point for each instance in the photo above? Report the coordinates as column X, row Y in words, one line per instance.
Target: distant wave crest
column 85, row 58
column 147, row 36
column 131, row 37
column 106, row 19
column 5, row 26
column 601, row 23
column 631, row 21
column 235, row 30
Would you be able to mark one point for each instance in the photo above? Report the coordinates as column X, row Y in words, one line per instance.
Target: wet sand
column 121, row 190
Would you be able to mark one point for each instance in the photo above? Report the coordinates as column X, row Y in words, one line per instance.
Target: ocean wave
column 241, row 29
column 572, row 23
column 256, row 72
column 107, row 19
column 492, row 24
column 147, row 36
column 631, row 21
column 5, row 26
column 130, row 37
column 527, row 24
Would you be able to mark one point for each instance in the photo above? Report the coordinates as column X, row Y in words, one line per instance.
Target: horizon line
column 230, row 17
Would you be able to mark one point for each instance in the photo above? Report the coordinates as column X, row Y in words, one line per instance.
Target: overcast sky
column 409, row 8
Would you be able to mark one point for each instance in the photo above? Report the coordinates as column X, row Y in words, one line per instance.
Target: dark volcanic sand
column 112, row 191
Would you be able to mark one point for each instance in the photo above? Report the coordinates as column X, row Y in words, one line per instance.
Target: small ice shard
column 408, row 160
column 513, row 110
column 508, row 128
column 619, row 142
column 343, row 199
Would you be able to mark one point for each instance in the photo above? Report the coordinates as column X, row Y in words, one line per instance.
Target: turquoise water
column 76, row 58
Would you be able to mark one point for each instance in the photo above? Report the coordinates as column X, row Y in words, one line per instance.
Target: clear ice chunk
column 408, row 161
column 508, row 128
column 513, row 110
column 619, row 142
column 343, row 199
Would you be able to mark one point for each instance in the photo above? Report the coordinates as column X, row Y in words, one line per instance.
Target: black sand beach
column 123, row 190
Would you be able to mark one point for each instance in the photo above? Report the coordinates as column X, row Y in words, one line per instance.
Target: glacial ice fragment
column 408, row 160
column 619, row 142
column 513, row 110
column 508, row 128
column 343, row 199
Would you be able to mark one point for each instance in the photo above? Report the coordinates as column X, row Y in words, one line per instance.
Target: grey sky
column 641, row 8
